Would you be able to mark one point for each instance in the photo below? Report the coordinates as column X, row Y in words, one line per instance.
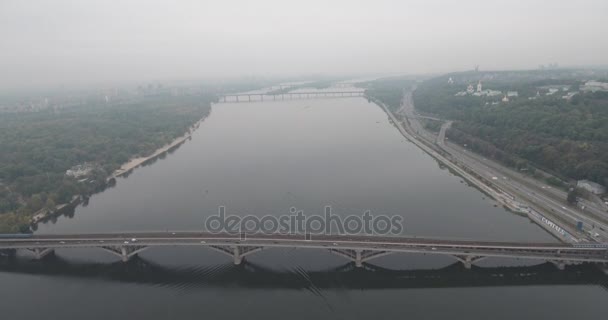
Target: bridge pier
column 40, row 253
column 125, row 253
column 603, row 267
column 561, row 265
column 359, row 256
column 358, row 260
column 237, row 256
column 237, row 253
column 468, row 261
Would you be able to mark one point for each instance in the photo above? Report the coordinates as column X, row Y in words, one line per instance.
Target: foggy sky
column 59, row 42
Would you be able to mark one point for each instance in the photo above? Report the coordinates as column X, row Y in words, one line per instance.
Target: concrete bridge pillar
column 358, row 261
column 237, row 256
column 559, row 265
column 40, row 253
column 467, row 262
column 124, row 254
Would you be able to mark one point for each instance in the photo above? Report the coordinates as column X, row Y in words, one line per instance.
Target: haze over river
column 263, row 158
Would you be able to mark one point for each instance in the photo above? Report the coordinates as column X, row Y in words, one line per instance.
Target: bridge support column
column 603, row 267
column 237, row 256
column 358, row 256
column 467, row 261
column 125, row 253
column 561, row 265
column 236, row 252
column 358, row 262
column 40, row 253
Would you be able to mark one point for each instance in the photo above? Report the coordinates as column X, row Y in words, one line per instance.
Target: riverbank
column 44, row 214
column 127, row 167
column 136, row 162
column 500, row 196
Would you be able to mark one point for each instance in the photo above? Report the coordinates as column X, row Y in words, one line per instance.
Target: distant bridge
column 358, row 249
column 251, row 97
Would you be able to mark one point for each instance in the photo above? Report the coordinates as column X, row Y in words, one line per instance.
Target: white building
column 493, row 93
column 591, row 186
column 595, row 86
column 79, row 171
column 479, row 86
column 512, row 94
column 470, row 89
column 505, row 99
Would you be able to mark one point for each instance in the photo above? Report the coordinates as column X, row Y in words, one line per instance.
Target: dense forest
column 38, row 148
column 567, row 136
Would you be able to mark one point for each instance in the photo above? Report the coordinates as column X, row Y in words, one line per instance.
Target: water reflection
column 250, row 275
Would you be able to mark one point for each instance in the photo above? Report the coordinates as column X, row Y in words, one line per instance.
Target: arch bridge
column 359, row 249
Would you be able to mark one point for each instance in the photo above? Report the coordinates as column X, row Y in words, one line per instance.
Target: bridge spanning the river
column 358, row 249
column 251, row 97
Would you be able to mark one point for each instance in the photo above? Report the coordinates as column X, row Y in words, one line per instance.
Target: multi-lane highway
column 533, row 193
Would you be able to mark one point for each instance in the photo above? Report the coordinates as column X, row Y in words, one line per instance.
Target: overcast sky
column 60, row 42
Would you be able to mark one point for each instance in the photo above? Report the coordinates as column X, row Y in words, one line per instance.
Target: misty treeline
column 388, row 90
column 567, row 137
column 38, row 148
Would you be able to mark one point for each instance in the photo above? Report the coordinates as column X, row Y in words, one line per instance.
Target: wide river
column 263, row 158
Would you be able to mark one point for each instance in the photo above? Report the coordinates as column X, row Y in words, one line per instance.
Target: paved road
column 541, row 197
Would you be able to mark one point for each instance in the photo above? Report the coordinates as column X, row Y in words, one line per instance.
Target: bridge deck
column 360, row 248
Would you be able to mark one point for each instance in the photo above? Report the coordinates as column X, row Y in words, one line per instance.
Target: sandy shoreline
column 136, row 162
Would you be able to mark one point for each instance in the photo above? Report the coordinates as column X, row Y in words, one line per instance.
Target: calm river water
column 263, row 158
